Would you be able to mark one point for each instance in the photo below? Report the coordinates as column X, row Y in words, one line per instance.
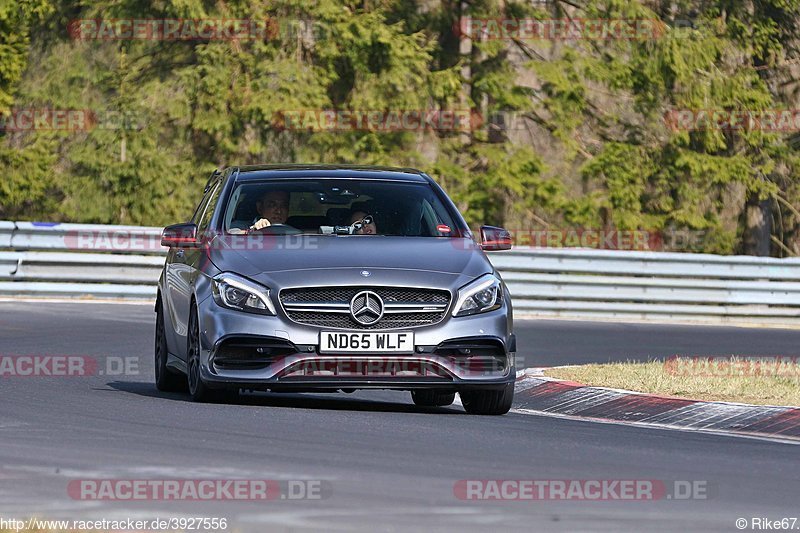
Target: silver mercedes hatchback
column 312, row 278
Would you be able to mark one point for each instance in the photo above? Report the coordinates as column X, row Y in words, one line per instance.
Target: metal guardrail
column 77, row 260
column 6, row 231
column 83, row 237
column 652, row 285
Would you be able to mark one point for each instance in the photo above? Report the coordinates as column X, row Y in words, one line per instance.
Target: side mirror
column 180, row 236
column 494, row 238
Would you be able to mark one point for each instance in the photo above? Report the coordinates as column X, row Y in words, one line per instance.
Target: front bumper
column 442, row 358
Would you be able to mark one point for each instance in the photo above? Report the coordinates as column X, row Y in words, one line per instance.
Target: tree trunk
column 465, row 51
column 758, row 226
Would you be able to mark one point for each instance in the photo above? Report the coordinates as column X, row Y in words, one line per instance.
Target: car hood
column 315, row 259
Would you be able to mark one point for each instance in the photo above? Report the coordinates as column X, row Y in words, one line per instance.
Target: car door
column 193, row 257
column 179, row 276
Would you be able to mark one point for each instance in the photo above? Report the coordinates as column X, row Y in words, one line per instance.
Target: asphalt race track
column 385, row 464
column 555, row 342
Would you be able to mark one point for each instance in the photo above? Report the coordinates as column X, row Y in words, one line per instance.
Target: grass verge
column 756, row 381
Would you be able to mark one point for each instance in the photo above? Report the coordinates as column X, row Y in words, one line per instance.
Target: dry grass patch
column 762, row 382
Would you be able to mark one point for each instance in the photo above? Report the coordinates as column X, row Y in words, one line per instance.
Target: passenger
column 368, row 226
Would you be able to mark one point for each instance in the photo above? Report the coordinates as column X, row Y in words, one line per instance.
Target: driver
column 273, row 208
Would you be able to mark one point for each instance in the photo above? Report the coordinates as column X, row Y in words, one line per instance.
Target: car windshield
column 339, row 207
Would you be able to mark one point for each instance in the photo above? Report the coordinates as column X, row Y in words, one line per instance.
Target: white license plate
column 366, row 342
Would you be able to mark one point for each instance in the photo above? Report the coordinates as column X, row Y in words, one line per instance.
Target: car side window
column 199, row 209
column 207, row 192
column 209, row 208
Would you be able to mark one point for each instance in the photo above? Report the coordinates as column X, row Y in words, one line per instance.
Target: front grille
column 329, row 307
column 345, row 294
column 342, row 321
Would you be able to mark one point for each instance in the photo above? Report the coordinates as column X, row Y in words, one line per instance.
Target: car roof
column 260, row 172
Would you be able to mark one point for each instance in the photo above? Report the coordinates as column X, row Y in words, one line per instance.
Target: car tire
column 198, row 390
column 166, row 380
column 432, row 398
column 488, row 402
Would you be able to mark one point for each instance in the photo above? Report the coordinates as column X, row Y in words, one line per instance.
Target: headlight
column 236, row 292
column 483, row 294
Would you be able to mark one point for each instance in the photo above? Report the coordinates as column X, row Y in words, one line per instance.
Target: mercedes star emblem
column 366, row 308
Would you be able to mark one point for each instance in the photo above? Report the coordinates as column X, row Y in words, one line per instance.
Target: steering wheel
column 277, row 229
